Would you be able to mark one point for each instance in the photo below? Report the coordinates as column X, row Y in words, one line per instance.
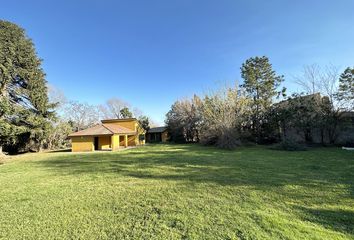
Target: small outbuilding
column 111, row 134
column 157, row 134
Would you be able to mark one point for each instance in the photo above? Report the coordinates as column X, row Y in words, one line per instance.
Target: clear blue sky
column 151, row 53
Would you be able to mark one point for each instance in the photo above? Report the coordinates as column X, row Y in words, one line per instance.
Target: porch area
column 112, row 143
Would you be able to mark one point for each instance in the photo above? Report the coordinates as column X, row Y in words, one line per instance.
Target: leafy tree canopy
column 24, row 105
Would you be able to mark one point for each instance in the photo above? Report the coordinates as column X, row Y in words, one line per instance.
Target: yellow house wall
column 135, row 126
column 104, row 142
column 115, row 142
column 131, row 124
column 82, row 144
column 86, row 143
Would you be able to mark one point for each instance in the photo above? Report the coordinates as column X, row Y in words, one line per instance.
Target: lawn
column 179, row 192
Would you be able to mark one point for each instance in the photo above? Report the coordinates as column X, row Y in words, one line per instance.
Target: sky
column 152, row 53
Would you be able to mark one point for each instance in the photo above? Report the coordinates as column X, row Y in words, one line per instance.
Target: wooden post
column 126, row 140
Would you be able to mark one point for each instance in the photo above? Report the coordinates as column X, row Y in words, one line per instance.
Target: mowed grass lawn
column 179, row 192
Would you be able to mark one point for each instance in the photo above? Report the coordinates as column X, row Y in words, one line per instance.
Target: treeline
column 259, row 110
column 34, row 117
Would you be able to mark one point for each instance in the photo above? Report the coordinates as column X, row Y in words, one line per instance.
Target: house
column 111, row 134
column 306, row 107
column 157, row 134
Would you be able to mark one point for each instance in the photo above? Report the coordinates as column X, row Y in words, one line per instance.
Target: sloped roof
column 103, row 129
column 157, row 130
column 95, row 130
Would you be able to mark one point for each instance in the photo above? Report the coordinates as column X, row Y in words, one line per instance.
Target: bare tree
column 323, row 80
column 112, row 108
column 183, row 120
column 57, row 97
column 137, row 112
column 82, row 115
column 310, row 79
column 317, row 79
column 329, row 81
column 223, row 113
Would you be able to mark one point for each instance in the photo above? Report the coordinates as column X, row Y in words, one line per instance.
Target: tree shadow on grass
column 246, row 166
column 337, row 220
column 313, row 172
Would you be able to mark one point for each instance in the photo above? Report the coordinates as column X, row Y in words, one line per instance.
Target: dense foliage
column 261, row 85
column 346, row 87
column 253, row 113
column 24, row 106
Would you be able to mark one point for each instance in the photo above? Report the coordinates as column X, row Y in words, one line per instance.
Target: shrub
column 221, row 138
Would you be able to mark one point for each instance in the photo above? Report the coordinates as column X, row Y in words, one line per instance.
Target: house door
column 96, row 143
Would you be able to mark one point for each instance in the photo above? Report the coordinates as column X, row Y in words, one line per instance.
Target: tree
column 24, row 106
column 144, row 122
column 58, row 135
column 58, row 97
column 261, row 84
column 112, row 108
column 346, row 88
column 222, row 115
column 125, row 113
column 316, row 79
column 82, row 115
column 324, row 80
column 310, row 80
column 183, row 120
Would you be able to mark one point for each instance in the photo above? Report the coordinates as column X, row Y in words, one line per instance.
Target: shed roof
column 157, row 130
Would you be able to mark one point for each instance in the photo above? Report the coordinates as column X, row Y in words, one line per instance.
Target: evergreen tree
column 125, row 113
column 346, row 87
column 144, row 122
column 261, row 85
column 24, row 106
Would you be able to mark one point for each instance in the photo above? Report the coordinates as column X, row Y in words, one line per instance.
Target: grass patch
column 179, row 192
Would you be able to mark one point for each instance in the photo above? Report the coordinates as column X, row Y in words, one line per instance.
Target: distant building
column 111, row 134
column 344, row 128
column 157, row 134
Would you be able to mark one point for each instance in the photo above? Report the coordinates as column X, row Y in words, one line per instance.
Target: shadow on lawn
column 263, row 169
column 245, row 166
column 337, row 220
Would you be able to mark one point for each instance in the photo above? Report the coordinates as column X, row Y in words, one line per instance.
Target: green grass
column 179, row 192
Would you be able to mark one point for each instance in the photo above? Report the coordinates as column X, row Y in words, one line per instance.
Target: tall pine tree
column 261, row 84
column 24, row 106
column 346, row 88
